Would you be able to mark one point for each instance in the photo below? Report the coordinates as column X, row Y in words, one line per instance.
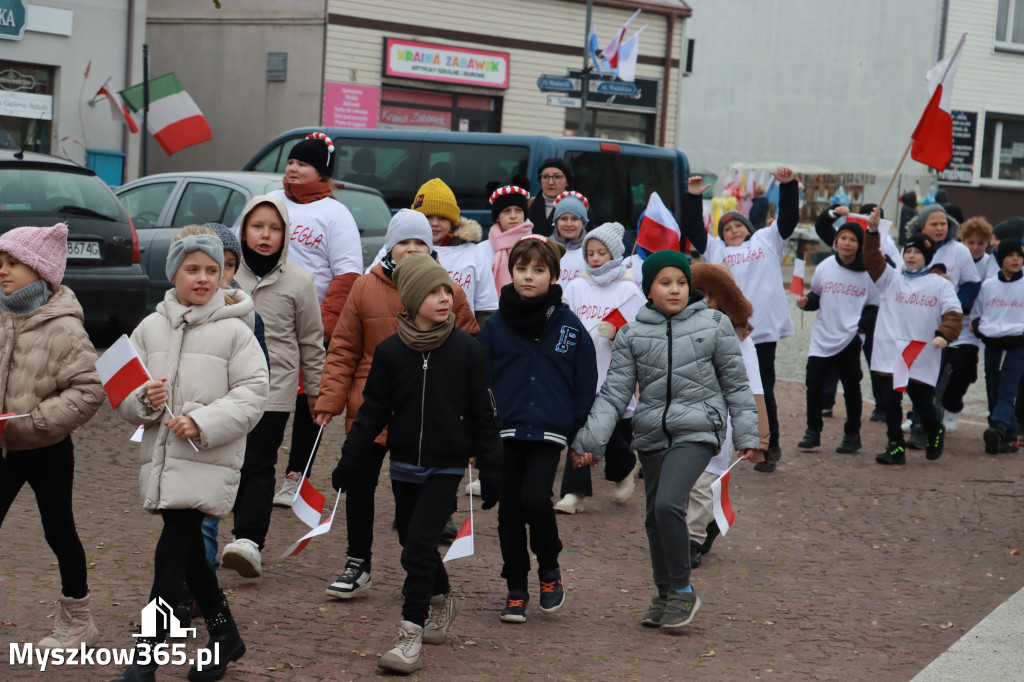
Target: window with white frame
column 1010, row 23
column 1002, row 156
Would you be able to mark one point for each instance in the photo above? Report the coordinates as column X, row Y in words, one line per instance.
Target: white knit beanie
column 609, row 234
column 408, row 224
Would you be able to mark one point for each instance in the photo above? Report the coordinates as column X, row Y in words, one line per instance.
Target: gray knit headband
column 207, row 243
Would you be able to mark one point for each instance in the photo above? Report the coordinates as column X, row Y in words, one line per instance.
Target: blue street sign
column 557, row 84
column 615, row 88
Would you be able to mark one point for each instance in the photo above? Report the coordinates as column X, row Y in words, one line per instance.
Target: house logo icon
column 158, row 616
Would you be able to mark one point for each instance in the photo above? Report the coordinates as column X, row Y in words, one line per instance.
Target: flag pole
column 585, row 80
column 896, row 172
column 309, row 462
column 145, row 109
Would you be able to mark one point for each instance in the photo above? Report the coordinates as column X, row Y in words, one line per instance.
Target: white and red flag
column 121, row 370
column 901, row 368
column 308, row 503
column 611, row 50
column 933, row 136
column 629, row 54
column 9, row 415
column 303, row 542
column 462, row 545
column 117, row 108
column 659, row 230
column 724, row 515
column 615, row 319
column 796, row 285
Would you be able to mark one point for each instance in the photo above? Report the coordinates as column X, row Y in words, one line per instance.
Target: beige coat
column 47, row 369
column 293, row 329
column 216, row 374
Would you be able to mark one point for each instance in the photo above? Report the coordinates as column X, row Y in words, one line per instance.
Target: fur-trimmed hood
column 915, row 224
column 717, row 283
column 468, row 231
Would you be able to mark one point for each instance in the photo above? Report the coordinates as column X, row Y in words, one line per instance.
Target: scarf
column 607, row 273
column 502, row 243
column 259, row 264
column 387, row 264
column 422, row 341
column 569, row 246
column 26, row 299
column 307, row 192
column 527, row 316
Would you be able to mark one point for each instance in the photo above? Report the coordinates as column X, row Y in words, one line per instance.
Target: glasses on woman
column 552, row 177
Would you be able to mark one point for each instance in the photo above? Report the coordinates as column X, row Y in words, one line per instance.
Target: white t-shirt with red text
column 986, row 267
column 469, row 266
column 844, row 293
column 1000, row 307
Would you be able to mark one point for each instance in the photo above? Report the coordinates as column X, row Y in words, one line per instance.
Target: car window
column 236, row 202
column 52, row 191
column 146, row 203
column 202, row 202
column 370, row 212
column 385, row 165
column 618, row 186
column 275, row 160
column 467, row 169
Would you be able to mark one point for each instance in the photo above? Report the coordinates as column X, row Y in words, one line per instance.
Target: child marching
column 508, row 211
column 570, row 225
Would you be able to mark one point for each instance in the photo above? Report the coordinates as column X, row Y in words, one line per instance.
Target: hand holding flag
column 462, row 545
column 796, row 285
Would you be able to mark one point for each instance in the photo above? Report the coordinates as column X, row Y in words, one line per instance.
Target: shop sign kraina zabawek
column 446, row 64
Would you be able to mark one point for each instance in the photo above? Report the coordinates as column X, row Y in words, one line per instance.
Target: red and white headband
column 575, row 194
column 508, row 190
column 326, row 140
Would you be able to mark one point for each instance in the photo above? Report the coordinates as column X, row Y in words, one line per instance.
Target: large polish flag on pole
column 611, row 50
column 659, row 230
column 933, row 136
column 121, row 370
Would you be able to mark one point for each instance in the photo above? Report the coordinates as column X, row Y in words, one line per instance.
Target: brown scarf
column 424, row 341
column 307, row 192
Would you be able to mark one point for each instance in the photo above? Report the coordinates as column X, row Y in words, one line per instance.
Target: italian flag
column 174, row 119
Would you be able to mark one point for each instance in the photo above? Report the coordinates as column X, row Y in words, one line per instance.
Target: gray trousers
column 669, row 475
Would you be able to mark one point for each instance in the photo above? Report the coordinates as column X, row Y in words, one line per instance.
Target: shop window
column 1010, row 24
column 1002, row 156
column 627, row 126
column 26, row 131
column 407, row 109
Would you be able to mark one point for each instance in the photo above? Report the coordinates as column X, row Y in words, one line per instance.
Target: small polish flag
column 303, row 542
column 462, row 546
column 10, row 415
column 901, row 369
column 796, row 285
column 659, row 230
column 884, row 226
column 121, row 370
column 615, row 319
column 117, row 108
column 308, row 503
column 137, row 436
column 724, row 515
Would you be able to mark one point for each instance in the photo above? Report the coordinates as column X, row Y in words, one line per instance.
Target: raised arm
column 693, row 214
column 874, row 261
column 789, row 201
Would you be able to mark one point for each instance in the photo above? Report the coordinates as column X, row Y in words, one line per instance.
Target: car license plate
column 87, row 250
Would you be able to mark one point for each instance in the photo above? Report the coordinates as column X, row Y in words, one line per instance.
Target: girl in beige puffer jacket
column 46, row 373
column 213, row 380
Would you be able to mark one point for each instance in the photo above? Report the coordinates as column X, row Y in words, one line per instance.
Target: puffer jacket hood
column 915, row 225
column 216, row 374
column 282, row 209
column 49, row 373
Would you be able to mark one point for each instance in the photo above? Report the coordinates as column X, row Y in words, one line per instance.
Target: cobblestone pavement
column 836, row 569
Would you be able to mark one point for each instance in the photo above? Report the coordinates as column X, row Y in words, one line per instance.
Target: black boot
column 185, row 610
column 850, row 444
column 695, row 555
column 138, row 672
column 225, row 642
column 812, row 439
column 713, row 532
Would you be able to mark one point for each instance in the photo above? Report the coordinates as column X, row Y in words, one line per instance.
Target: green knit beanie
column 654, row 263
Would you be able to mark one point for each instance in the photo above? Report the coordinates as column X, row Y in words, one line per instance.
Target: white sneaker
column 474, row 488
column 243, row 556
column 951, row 421
column 442, row 612
column 286, row 494
column 906, row 426
column 354, row 579
column 624, row 489
column 570, row 504
column 405, row 656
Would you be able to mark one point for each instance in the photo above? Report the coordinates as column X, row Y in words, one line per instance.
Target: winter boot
column 812, row 439
column 895, row 453
column 935, row 444
column 404, row 657
column 139, row 672
column 713, row 532
column 72, row 625
column 850, row 444
column 223, row 635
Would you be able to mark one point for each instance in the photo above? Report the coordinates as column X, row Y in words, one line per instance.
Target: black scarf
column 387, row 264
column 259, row 264
column 527, row 316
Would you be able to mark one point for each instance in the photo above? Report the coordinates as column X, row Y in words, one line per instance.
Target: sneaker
column 811, row 439
column 877, row 415
column 935, row 445
column 850, row 444
column 474, row 488
column 442, row 613
column 624, row 489
column 713, row 532
column 404, row 657
column 951, row 421
column 552, row 594
column 906, row 426
column 515, row 607
column 895, row 453
column 680, row 609
column 354, row 580
column 286, row 494
column 917, row 440
column 992, row 439
column 243, row 556
column 765, row 467
column 695, row 554
column 652, row 617
column 450, row 531
column 570, row 504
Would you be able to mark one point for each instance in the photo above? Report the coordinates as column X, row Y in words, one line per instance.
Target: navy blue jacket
column 543, row 387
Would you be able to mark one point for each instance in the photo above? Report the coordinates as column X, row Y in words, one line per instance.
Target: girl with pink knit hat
column 48, row 374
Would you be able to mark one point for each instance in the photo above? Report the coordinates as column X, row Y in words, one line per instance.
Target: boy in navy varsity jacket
column 545, row 377
column 1000, row 325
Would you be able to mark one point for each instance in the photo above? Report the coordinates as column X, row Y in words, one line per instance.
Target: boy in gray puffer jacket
column 688, row 363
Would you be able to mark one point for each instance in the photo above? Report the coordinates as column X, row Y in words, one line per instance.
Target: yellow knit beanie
column 436, row 198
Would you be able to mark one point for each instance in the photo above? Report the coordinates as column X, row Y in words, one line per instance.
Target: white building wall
column 819, row 83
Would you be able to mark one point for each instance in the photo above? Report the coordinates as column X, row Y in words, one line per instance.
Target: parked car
column 161, row 204
column 103, row 250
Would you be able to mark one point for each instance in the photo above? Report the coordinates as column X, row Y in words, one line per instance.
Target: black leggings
column 766, row 359
column 50, row 472
column 180, row 558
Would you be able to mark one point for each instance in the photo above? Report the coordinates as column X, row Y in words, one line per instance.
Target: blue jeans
column 1003, row 370
column 211, row 525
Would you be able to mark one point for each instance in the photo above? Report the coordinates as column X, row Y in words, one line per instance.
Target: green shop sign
column 12, row 19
